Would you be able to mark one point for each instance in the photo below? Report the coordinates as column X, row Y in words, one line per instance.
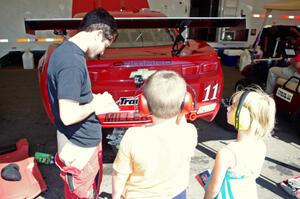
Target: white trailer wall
column 249, row 8
column 231, row 8
column 12, row 14
column 174, row 8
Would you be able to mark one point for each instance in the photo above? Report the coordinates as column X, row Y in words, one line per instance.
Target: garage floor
column 22, row 116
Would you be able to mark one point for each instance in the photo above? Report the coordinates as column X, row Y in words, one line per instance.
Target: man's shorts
column 81, row 183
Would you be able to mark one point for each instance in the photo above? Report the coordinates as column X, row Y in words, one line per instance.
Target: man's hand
column 104, row 103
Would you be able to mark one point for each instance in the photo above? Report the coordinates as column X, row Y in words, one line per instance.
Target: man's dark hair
column 100, row 19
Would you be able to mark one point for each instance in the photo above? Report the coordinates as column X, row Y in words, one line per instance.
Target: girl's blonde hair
column 165, row 91
column 262, row 110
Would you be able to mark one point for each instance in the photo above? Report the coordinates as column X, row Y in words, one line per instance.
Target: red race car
column 148, row 41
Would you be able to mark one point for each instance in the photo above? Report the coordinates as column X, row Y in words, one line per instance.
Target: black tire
column 119, row 134
column 115, row 149
column 296, row 122
column 109, row 153
column 240, row 85
column 221, row 117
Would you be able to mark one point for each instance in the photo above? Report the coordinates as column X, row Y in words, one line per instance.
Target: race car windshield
column 133, row 38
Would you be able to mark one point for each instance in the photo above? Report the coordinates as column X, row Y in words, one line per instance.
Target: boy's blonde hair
column 262, row 110
column 165, row 91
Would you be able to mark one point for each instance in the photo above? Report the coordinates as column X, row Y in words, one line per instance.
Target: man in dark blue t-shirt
column 74, row 105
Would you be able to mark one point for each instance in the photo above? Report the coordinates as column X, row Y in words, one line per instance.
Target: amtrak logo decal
column 127, row 101
column 145, row 73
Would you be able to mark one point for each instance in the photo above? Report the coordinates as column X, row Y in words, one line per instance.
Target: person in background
column 285, row 72
column 73, row 104
column 238, row 164
column 154, row 161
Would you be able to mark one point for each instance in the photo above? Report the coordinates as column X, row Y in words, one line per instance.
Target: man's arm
column 72, row 112
column 118, row 184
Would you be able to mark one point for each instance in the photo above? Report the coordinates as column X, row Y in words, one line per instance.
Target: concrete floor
column 22, row 115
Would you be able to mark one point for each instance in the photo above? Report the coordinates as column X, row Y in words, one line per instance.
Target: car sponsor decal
column 144, row 63
column 127, row 101
column 210, row 92
column 284, row 94
column 124, row 117
column 144, row 73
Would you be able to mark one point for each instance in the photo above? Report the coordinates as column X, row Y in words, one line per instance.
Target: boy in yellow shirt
column 154, row 161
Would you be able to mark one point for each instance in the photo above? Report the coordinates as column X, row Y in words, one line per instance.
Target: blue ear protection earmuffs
column 186, row 105
column 241, row 115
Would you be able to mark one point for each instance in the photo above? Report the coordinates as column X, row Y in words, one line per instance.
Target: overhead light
column 256, row 15
column 270, row 16
column 291, row 17
column 267, row 26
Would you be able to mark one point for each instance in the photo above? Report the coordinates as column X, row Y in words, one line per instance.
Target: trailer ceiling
column 292, row 5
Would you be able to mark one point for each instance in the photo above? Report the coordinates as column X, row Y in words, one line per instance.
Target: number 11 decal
column 208, row 90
